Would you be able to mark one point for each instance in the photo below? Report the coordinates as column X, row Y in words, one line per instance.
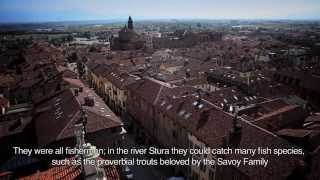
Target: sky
column 74, row 10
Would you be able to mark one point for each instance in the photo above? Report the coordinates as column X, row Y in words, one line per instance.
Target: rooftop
column 65, row 107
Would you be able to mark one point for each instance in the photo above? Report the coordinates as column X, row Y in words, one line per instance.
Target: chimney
column 76, row 92
column 198, row 104
column 89, row 101
column 16, row 124
column 132, row 62
column 79, row 133
column 204, row 116
column 3, row 110
column 43, row 109
column 236, row 127
column 186, row 62
column 188, row 73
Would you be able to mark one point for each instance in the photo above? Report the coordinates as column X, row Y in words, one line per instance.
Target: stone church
column 127, row 38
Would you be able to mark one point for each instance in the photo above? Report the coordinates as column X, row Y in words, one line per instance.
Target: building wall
column 315, row 167
column 115, row 98
column 203, row 172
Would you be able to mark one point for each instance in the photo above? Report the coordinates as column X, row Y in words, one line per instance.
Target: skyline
column 72, row 10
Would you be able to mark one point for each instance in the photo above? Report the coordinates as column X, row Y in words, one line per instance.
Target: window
column 174, row 134
column 202, row 166
column 197, row 155
column 211, row 174
column 194, row 176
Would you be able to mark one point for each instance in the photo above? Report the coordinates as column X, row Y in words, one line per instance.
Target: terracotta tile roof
column 264, row 108
column 308, row 80
column 4, row 102
column 42, row 53
column 229, row 95
column 119, row 79
column 69, row 172
column 274, row 115
column 65, row 109
column 313, row 118
column 314, row 172
column 119, row 57
column 114, row 75
column 7, row 80
column 213, row 130
column 279, row 167
column 62, row 108
column 191, row 82
column 147, row 89
column 17, row 161
column 8, row 128
column 66, row 72
column 100, row 69
column 187, row 111
column 301, row 133
column 311, row 83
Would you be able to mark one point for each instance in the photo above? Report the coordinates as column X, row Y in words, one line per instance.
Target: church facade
column 127, row 38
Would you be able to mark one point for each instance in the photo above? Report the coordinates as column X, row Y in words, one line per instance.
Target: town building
column 127, row 38
column 66, row 107
column 175, row 117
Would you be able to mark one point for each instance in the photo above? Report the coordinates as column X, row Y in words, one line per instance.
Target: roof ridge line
column 158, row 95
column 67, row 125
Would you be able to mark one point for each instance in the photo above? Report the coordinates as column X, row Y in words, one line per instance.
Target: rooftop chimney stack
column 89, row 101
column 186, row 62
column 236, row 127
column 79, row 133
column 188, row 73
column 205, row 115
column 76, row 92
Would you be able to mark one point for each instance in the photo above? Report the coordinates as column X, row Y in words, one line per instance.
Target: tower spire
column 130, row 23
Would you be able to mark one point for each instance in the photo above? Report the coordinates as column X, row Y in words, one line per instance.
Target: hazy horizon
column 33, row 11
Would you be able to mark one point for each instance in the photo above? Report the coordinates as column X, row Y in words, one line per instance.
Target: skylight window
column 181, row 113
column 235, row 97
column 231, row 109
column 58, row 109
column 187, row 116
column 195, row 103
column 200, row 106
column 169, row 107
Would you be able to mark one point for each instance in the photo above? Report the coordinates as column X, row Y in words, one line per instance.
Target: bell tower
column 130, row 23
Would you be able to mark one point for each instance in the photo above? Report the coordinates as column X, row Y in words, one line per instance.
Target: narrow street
column 142, row 172
column 139, row 172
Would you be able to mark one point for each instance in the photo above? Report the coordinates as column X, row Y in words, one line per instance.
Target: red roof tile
column 69, row 172
column 59, row 114
column 212, row 132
